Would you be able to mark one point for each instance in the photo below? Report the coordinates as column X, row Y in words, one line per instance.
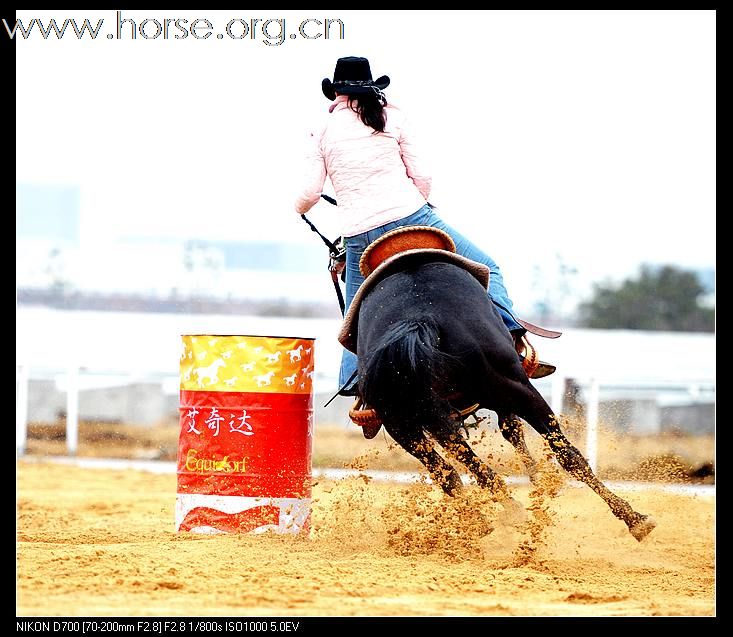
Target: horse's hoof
column 643, row 528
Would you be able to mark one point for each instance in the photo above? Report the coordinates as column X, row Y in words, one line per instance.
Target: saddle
column 397, row 250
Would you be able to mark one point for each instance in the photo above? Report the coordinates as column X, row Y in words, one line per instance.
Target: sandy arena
column 101, row 542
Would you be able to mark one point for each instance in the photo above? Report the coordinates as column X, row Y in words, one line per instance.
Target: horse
column 210, row 372
column 429, row 340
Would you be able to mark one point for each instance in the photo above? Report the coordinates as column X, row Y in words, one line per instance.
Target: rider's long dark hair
column 370, row 108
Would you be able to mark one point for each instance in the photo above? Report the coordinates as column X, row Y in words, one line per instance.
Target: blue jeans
column 426, row 216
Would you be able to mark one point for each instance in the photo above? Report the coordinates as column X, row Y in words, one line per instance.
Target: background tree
column 659, row 298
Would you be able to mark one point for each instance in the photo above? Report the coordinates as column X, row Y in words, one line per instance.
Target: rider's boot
column 534, row 367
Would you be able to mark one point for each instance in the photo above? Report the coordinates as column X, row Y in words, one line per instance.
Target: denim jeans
column 426, row 216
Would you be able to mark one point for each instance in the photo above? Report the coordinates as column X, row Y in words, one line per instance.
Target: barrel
column 245, row 442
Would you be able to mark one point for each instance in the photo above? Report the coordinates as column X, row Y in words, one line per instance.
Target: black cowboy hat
column 352, row 77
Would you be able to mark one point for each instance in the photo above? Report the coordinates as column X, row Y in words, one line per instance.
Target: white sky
column 585, row 136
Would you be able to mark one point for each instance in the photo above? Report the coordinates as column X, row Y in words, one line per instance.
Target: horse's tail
column 399, row 377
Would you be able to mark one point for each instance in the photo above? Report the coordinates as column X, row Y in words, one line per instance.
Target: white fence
column 73, row 351
column 590, row 393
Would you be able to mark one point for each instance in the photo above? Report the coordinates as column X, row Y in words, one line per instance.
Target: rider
column 367, row 150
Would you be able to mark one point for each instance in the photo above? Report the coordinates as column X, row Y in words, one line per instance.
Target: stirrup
column 533, row 366
column 366, row 418
column 370, row 422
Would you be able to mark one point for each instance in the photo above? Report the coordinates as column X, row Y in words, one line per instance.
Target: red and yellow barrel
column 244, row 451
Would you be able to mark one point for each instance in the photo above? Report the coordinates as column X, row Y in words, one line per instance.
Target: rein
column 336, row 252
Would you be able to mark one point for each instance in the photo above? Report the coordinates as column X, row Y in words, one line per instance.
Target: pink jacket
column 377, row 177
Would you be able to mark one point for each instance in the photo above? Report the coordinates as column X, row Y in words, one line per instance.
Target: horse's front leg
column 538, row 414
column 416, row 444
column 575, row 464
column 513, row 431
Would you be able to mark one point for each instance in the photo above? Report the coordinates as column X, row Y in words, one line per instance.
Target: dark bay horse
column 429, row 338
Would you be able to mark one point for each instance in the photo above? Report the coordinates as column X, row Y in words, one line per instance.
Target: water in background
column 129, row 342
column 145, row 344
column 646, row 371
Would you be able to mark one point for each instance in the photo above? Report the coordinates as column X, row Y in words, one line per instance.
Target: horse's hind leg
column 416, row 444
column 538, row 414
column 512, row 430
column 455, row 444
